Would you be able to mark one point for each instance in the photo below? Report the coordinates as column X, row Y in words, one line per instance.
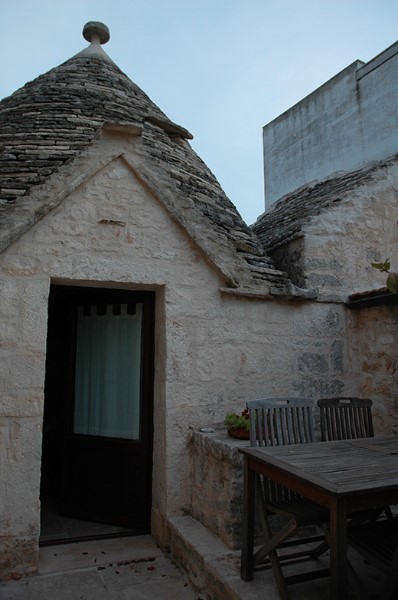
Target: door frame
column 65, row 299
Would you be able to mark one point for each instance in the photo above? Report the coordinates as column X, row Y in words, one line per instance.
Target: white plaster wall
column 341, row 243
column 212, row 352
column 346, row 123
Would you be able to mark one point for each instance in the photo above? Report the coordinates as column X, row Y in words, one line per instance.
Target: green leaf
column 383, row 267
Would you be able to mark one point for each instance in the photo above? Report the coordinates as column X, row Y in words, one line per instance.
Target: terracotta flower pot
column 239, row 434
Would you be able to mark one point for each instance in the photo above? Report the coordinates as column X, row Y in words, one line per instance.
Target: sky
column 220, row 68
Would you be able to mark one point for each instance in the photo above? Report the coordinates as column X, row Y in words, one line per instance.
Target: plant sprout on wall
column 392, row 279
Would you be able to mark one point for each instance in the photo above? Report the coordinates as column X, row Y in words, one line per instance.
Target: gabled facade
column 111, row 223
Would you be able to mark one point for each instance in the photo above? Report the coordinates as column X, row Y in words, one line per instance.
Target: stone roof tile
column 285, row 219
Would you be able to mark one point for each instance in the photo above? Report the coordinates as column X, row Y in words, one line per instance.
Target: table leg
column 338, row 549
column 247, row 554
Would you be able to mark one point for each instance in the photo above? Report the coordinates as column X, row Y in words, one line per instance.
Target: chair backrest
column 345, row 418
column 280, row 421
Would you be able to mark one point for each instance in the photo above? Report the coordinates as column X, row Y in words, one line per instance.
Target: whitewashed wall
column 212, row 353
column 336, row 252
column 339, row 245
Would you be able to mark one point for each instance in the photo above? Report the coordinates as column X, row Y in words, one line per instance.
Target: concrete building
column 126, row 270
column 348, row 122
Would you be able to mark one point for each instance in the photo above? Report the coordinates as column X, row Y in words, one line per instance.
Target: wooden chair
column 345, row 418
column 273, row 422
column 349, row 418
column 378, row 543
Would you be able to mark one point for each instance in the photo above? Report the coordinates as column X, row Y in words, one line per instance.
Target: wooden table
column 342, row 476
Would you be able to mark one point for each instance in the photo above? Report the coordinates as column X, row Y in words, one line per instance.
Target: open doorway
column 97, row 429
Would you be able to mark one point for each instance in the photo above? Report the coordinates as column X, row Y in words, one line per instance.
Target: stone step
column 212, row 567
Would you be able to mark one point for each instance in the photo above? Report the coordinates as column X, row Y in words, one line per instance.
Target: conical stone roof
column 52, row 119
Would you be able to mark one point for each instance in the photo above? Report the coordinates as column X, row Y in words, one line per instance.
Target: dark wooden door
column 99, row 384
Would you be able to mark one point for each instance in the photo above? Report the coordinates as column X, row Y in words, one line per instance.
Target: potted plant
column 238, row 426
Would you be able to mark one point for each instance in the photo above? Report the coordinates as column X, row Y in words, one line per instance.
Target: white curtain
column 107, row 381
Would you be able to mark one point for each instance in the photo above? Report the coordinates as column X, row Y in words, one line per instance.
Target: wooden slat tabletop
column 342, row 475
column 342, row 467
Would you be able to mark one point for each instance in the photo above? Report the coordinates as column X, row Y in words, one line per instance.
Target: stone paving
column 134, row 568
column 118, row 569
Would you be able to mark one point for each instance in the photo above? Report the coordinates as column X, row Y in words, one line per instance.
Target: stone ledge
column 217, row 483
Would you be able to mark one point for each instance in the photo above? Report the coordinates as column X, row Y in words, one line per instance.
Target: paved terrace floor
column 134, row 568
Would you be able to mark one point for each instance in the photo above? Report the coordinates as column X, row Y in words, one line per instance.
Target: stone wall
column 213, row 350
column 216, row 467
column 334, row 255
column 217, row 484
column 336, row 252
column 339, row 244
column 374, row 355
